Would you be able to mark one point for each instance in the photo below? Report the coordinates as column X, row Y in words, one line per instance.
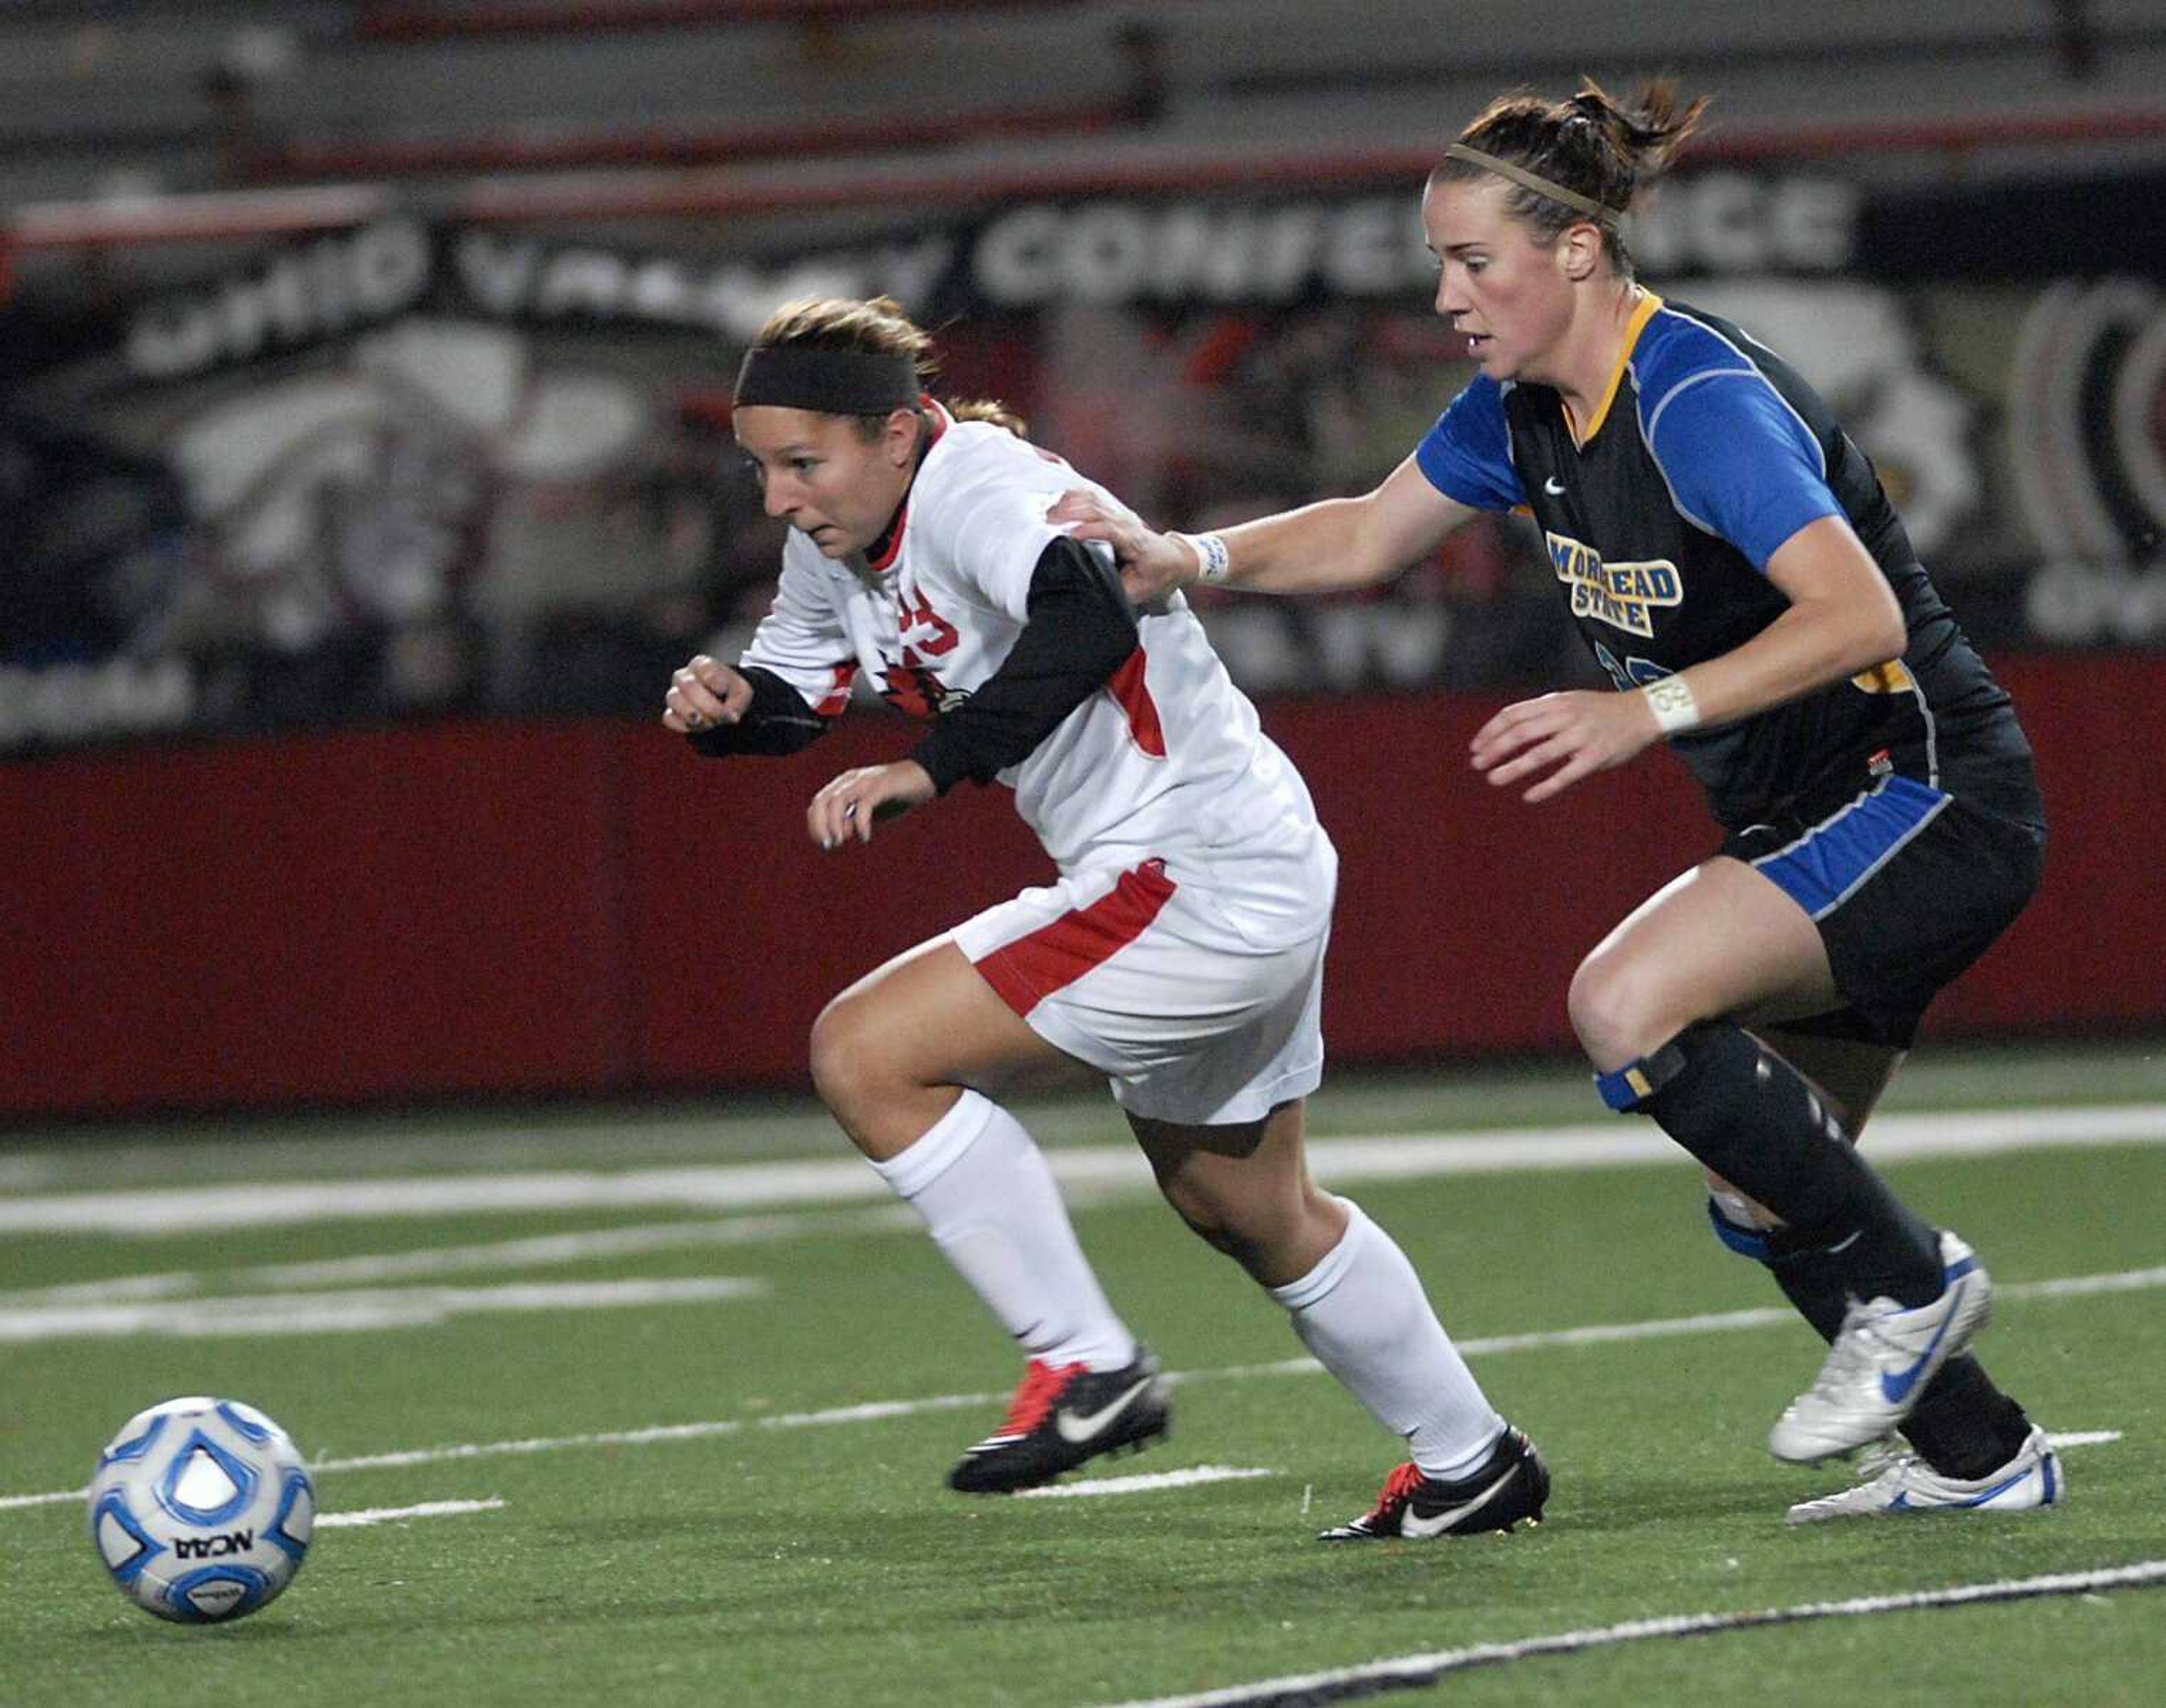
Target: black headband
column 829, row 382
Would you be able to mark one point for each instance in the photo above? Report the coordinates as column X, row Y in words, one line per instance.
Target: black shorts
column 1908, row 887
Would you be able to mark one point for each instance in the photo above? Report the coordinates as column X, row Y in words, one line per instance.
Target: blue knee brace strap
column 1745, row 1242
column 1635, row 1082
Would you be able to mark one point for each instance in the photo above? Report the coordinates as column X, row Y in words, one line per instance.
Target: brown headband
column 1601, row 212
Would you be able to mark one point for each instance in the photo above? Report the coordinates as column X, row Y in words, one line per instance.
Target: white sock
column 1362, row 1312
column 986, row 1193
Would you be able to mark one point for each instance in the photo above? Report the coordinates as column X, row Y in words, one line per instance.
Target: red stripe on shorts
column 1024, row 973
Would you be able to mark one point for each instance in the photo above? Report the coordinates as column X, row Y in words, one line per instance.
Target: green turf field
column 708, row 1500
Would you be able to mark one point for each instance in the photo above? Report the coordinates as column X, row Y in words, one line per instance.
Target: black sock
column 1748, row 1115
column 1963, row 1425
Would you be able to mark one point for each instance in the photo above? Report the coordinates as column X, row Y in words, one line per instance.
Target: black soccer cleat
column 1064, row 1415
column 1512, row 1484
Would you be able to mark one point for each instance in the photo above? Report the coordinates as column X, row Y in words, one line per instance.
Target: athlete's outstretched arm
column 789, row 685
column 1843, row 619
column 751, row 711
column 1334, row 544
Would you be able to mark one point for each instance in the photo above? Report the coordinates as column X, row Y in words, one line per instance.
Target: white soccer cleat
column 1883, row 1361
column 2031, row 1480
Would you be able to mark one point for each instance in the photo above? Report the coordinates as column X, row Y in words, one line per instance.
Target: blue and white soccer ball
column 201, row 1509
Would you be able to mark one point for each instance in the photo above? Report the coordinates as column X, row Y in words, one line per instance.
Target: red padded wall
column 583, row 907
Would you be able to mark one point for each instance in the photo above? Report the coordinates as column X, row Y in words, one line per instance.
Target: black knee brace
column 1746, row 1114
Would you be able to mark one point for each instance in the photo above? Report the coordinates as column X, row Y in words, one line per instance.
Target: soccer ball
column 201, row 1509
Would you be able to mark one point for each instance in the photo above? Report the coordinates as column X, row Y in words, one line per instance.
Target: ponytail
column 1596, row 149
column 993, row 410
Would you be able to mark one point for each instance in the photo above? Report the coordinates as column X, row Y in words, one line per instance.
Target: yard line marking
column 399, row 1514
column 1405, row 1672
column 349, row 1313
column 875, row 1410
column 1708, row 1323
column 2082, row 1438
column 2075, row 1286
column 705, row 1431
column 1145, row 1484
column 1099, row 1168
column 168, row 1210
column 502, row 1254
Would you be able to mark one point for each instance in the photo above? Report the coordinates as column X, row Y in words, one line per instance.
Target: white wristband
column 1672, row 703
column 1212, row 560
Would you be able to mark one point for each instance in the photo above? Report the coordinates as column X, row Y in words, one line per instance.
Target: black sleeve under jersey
column 1078, row 632
column 777, row 722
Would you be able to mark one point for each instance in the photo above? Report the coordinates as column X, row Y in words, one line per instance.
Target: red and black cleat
column 1510, row 1485
column 1064, row 1415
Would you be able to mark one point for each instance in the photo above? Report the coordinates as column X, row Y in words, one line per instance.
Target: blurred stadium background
column 364, row 468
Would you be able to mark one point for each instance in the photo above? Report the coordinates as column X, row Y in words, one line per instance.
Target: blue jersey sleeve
column 1467, row 455
column 1740, row 462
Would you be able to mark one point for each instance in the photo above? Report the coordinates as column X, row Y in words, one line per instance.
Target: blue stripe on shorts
column 1821, row 868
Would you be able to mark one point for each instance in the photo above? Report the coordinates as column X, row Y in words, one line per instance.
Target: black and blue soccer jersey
column 1708, row 452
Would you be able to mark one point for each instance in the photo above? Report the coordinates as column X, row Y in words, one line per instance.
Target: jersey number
column 914, row 618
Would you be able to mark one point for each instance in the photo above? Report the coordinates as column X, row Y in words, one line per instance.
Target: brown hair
column 1591, row 144
column 878, row 326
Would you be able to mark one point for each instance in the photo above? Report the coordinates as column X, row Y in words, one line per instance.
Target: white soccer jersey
column 1165, row 761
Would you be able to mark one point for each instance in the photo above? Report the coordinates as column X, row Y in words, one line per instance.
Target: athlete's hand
column 1151, row 565
column 1567, row 736
column 705, row 695
column 850, row 803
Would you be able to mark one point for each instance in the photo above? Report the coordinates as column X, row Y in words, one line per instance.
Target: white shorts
column 1151, row 982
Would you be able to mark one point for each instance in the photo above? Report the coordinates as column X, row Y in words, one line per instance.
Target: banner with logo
column 406, row 469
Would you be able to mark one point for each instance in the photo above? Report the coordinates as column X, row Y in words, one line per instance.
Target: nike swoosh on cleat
column 1896, row 1388
column 1411, row 1524
column 1077, row 1428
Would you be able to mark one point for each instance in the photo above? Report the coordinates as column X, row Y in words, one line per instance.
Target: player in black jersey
column 1732, row 562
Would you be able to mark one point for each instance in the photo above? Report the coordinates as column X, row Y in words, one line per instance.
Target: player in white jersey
column 1179, row 952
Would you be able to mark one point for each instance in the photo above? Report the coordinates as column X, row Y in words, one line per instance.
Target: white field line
column 748, row 1186
column 343, row 1313
column 1712, row 1322
column 399, row 1514
column 503, row 1254
column 876, row 1410
column 1146, row 1484
column 539, row 1250
column 1414, row 1671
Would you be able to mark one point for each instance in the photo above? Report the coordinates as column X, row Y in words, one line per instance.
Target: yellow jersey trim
column 1649, row 304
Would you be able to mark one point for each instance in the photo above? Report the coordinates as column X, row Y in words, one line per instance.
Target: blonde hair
column 1591, row 144
column 876, row 327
